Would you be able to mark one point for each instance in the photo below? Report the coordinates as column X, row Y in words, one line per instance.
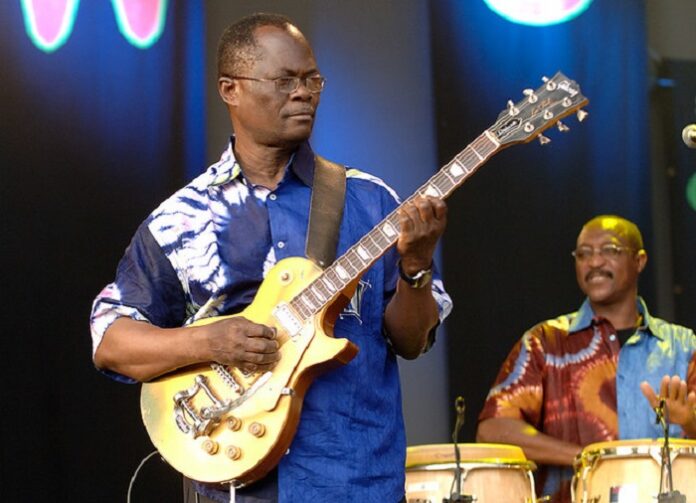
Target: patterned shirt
column 205, row 251
column 569, row 378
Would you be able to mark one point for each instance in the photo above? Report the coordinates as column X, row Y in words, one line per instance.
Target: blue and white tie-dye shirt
column 205, row 251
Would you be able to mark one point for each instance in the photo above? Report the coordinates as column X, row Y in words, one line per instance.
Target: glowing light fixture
column 141, row 22
column 49, row 22
column 691, row 191
column 538, row 12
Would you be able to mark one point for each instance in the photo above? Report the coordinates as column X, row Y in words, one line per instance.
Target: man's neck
column 622, row 315
column 263, row 165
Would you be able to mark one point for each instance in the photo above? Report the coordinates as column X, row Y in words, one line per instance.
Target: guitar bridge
column 201, row 421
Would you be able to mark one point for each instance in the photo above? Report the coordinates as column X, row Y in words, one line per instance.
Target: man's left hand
column 679, row 402
column 422, row 222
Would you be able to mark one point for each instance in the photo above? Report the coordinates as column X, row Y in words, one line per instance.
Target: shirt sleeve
column 146, row 288
column 518, row 389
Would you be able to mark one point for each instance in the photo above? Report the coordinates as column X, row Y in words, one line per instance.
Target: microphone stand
column 456, row 496
column 670, row 496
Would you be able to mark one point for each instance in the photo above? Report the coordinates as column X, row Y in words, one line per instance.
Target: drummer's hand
column 680, row 404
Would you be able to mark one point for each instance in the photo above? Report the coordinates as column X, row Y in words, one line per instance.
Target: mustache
column 599, row 272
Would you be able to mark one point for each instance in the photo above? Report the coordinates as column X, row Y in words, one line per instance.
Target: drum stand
column 669, row 496
column 456, row 496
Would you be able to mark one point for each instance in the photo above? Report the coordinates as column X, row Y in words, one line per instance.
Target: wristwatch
column 418, row 280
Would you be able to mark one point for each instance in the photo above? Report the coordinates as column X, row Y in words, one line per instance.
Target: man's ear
column 228, row 89
column 642, row 258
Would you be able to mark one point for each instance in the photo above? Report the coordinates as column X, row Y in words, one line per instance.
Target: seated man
column 577, row 379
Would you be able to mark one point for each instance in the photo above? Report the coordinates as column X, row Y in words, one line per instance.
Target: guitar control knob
column 233, row 452
column 257, row 429
column 210, row 446
column 234, row 423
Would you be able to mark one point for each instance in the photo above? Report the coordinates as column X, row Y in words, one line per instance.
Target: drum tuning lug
column 543, row 140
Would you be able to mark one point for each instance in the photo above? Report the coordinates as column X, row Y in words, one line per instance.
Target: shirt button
column 281, row 244
column 612, row 337
column 272, row 197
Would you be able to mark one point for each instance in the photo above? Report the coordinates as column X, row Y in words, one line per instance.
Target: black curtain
column 92, row 136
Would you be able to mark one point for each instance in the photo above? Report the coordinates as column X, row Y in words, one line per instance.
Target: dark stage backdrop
column 95, row 134
column 91, row 136
column 514, row 223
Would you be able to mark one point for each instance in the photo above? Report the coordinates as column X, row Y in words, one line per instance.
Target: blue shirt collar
column 585, row 317
column 228, row 169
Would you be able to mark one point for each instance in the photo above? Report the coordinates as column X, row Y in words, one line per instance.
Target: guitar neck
column 359, row 257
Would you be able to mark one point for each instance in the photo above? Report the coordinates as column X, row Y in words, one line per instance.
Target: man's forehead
column 599, row 233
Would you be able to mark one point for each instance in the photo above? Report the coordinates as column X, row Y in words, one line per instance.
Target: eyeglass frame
column 617, row 250
column 295, row 79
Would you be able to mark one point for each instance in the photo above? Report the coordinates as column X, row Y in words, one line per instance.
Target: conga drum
column 490, row 473
column 630, row 471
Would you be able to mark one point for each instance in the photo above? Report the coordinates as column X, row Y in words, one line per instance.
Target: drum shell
column 490, row 472
column 629, row 470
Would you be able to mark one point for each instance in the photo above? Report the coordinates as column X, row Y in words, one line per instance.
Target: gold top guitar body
column 215, row 423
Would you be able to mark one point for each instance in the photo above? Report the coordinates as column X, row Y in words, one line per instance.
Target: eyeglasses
column 607, row 251
column 287, row 85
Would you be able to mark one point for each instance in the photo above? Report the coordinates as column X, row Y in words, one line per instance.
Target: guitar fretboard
column 359, row 257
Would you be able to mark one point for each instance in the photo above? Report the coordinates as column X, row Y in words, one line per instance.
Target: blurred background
column 107, row 107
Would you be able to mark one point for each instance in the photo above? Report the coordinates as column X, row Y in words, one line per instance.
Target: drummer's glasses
column 609, row 251
column 313, row 83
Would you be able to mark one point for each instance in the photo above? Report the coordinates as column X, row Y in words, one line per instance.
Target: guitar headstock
column 557, row 98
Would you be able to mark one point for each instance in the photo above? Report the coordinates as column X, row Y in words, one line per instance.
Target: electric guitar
column 216, row 423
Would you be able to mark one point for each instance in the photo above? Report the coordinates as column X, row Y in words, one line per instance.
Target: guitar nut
column 210, row 446
column 257, row 429
column 233, row 452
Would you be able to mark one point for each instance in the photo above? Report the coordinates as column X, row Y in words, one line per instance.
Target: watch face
column 418, row 280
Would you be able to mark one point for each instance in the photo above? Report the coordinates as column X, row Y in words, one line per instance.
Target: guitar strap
column 326, row 211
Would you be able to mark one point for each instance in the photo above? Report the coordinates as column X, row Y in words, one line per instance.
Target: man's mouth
column 597, row 276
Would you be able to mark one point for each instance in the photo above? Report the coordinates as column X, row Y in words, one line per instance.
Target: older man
column 205, row 251
column 577, row 379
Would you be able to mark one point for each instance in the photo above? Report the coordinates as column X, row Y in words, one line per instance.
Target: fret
column 350, row 268
column 328, row 284
column 318, row 286
column 354, row 257
column 375, row 238
column 314, row 289
column 431, row 190
column 334, row 279
column 389, row 230
column 456, row 168
column 443, row 184
column 363, row 253
column 481, row 158
column 311, row 300
column 300, row 308
column 342, row 273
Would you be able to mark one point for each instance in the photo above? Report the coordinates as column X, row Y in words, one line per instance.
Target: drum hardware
column 668, row 496
column 456, row 496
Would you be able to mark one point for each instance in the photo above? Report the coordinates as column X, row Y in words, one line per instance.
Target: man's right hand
column 240, row 343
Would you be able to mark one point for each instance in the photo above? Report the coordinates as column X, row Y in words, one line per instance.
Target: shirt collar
column 228, row 169
column 585, row 317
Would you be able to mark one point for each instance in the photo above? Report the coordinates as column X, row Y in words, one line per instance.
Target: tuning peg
column 543, row 140
column 562, row 127
column 581, row 115
column 531, row 97
column 512, row 109
column 544, row 79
